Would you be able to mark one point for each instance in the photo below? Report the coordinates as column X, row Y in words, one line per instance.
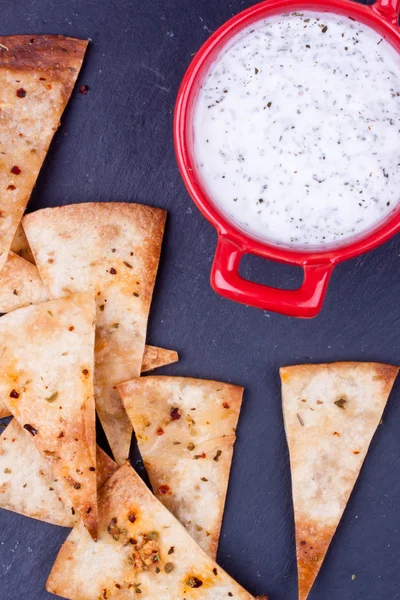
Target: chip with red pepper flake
column 113, row 249
column 331, row 412
column 44, row 351
column 28, row 484
column 133, row 555
column 189, row 463
column 37, row 76
column 153, row 358
column 20, row 285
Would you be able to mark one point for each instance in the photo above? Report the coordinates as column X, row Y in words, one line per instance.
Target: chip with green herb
column 128, row 557
column 28, row 484
column 331, row 412
column 117, row 258
column 189, row 464
column 48, row 396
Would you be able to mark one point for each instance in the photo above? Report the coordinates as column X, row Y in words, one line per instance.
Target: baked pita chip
column 154, row 358
column 37, row 76
column 142, row 549
column 28, row 485
column 20, row 245
column 20, row 284
column 331, row 413
column 46, row 380
column 185, row 430
column 112, row 249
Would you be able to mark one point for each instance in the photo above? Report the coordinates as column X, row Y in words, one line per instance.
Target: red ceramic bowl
column 233, row 243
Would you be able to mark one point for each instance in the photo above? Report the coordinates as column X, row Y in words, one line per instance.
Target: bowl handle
column 388, row 9
column 304, row 302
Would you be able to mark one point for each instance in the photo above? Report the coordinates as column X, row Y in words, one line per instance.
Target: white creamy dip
column 296, row 129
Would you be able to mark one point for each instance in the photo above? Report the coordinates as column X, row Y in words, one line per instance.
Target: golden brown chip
column 28, row 485
column 20, row 284
column 185, row 429
column 141, row 548
column 331, row 413
column 37, row 76
column 154, row 358
column 112, row 249
column 46, row 379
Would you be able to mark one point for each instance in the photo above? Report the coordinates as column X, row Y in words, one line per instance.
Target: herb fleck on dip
column 297, row 129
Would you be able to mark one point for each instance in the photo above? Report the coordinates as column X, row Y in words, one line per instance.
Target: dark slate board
column 116, row 144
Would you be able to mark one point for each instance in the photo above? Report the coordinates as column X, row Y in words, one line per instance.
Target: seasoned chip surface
column 331, row 412
column 37, row 75
column 46, row 380
column 185, row 429
column 112, row 249
column 29, row 486
column 153, row 357
column 141, row 546
column 20, row 284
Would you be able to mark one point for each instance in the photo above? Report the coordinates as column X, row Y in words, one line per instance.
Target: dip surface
column 296, row 129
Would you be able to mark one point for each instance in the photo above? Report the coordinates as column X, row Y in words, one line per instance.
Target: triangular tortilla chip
column 112, row 249
column 37, row 76
column 28, row 485
column 154, row 358
column 20, row 284
column 20, row 245
column 185, row 429
column 331, row 413
column 46, row 379
column 142, row 549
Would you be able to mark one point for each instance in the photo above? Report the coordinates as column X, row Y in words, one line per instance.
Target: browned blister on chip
column 331, row 412
column 28, row 485
column 46, row 380
column 37, row 76
column 112, row 249
column 186, row 429
column 141, row 546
